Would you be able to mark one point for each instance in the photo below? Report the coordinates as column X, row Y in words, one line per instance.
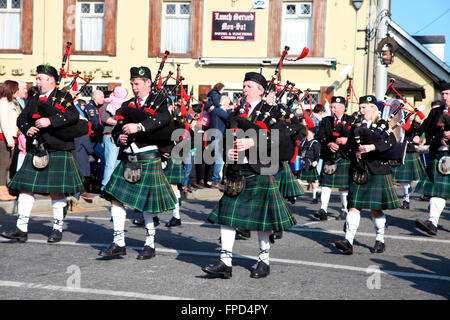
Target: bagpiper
column 333, row 137
column 251, row 200
column 371, row 186
column 436, row 183
column 138, row 182
column 49, row 167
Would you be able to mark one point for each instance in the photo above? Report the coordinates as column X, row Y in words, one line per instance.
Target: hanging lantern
column 386, row 51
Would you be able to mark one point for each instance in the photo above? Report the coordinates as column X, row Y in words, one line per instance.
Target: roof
column 430, row 39
column 420, row 56
column 405, row 86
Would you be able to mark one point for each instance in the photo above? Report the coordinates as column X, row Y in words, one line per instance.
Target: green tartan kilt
column 410, row 171
column 287, row 183
column 60, row 176
column 378, row 193
column 259, row 207
column 310, row 175
column 440, row 187
column 174, row 171
column 151, row 194
column 340, row 179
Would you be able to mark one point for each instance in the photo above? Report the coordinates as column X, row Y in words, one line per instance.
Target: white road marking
column 297, row 227
column 287, row 261
column 125, row 294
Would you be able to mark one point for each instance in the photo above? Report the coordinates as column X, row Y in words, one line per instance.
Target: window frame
column 318, row 27
column 26, row 29
column 155, row 29
column 110, row 19
column 80, row 15
column 297, row 16
column 175, row 16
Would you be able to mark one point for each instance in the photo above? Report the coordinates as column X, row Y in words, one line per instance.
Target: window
column 234, row 95
column 296, row 29
column 90, row 26
column 315, row 99
column 10, row 16
column 86, row 93
column 175, row 26
column 175, row 35
column 85, row 26
column 297, row 24
column 14, row 36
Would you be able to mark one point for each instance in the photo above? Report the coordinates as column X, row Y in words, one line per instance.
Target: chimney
column 435, row 44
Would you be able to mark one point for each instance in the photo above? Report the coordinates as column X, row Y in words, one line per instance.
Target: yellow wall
column 342, row 38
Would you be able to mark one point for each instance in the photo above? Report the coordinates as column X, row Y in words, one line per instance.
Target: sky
column 424, row 18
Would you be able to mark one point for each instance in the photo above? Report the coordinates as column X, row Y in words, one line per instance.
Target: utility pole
column 382, row 30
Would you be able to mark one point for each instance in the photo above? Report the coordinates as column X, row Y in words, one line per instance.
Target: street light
column 386, row 51
column 357, row 4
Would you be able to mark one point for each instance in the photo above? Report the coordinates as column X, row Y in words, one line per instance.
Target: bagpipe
column 62, row 101
column 291, row 131
column 381, row 129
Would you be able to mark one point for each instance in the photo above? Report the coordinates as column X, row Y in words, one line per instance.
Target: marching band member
column 258, row 204
column 413, row 167
column 151, row 193
column 436, row 182
column 53, row 171
column 377, row 193
column 333, row 152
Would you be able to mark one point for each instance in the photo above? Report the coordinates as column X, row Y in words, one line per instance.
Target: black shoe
column 405, row 205
column 314, row 201
column 55, row 236
column 146, row 253
column 379, row 247
column 17, row 234
column 424, row 198
column 427, row 226
column 342, row 215
column 113, row 250
column 262, row 270
column 243, row 233
column 139, row 222
column 292, row 200
column 321, row 214
column 174, row 222
column 277, row 235
column 344, row 246
column 219, row 269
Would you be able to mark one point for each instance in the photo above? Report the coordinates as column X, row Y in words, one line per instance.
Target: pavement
column 305, row 265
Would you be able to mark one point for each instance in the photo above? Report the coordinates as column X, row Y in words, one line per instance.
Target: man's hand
column 130, row 128
column 11, row 146
column 314, row 164
column 447, row 135
column 32, row 131
column 43, row 123
column 366, row 148
column 341, row 140
column 444, row 142
column 333, row 146
column 233, row 155
column 416, row 139
column 243, row 144
column 123, row 138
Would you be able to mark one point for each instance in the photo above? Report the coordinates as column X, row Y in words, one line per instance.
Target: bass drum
column 386, row 113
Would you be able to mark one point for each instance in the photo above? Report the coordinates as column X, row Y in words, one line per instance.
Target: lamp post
column 380, row 66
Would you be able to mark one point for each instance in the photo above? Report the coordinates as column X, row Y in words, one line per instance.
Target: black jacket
column 59, row 121
column 158, row 127
column 373, row 158
column 433, row 132
column 328, row 132
column 310, row 150
column 264, row 139
column 410, row 134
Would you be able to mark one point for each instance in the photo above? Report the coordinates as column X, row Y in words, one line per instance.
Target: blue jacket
column 213, row 99
column 92, row 112
column 218, row 118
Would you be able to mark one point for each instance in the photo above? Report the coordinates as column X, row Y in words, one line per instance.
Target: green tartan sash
column 410, row 171
column 260, row 206
column 340, row 179
column 378, row 193
column 152, row 193
column 60, row 176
